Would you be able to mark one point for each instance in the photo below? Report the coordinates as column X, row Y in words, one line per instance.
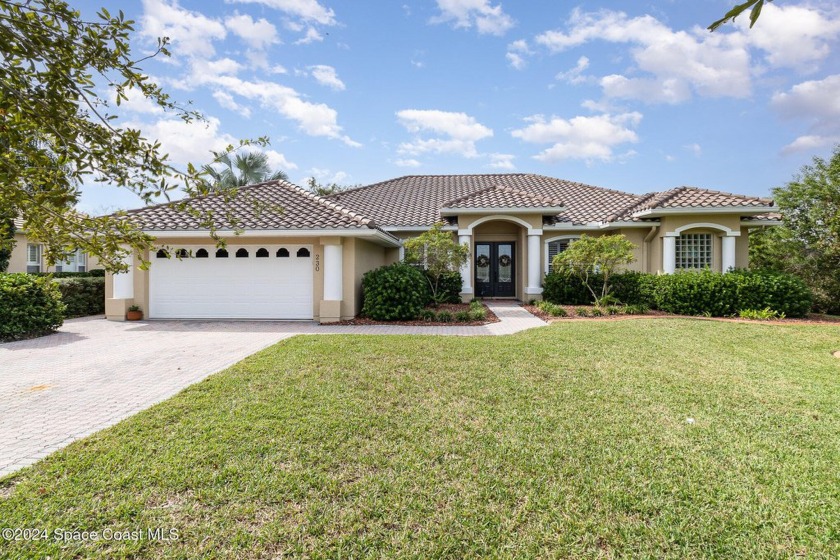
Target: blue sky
column 634, row 96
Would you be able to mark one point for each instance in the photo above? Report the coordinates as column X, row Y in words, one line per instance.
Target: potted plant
column 134, row 313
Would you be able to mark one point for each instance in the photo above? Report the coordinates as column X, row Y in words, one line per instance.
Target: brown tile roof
column 264, row 206
column 500, row 196
column 416, row 200
column 692, row 197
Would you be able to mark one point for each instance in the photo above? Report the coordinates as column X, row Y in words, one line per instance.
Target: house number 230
column 317, row 262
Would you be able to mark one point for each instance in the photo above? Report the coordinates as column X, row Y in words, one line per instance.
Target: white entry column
column 727, row 261
column 534, row 286
column 333, row 273
column 466, row 268
column 669, row 254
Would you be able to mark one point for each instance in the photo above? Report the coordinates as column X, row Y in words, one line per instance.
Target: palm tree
column 244, row 169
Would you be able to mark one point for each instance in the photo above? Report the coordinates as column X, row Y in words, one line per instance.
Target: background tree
column 439, row 254
column 808, row 244
column 7, row 238
column 594, row 260
column 242, row 169
column 754, row 6
column 58, row 77
column 326, row 190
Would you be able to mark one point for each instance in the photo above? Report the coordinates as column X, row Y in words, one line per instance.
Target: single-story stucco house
column 28, row 256
column 300, row 256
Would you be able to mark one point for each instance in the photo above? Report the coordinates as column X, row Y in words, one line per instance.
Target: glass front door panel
column 495, row 269
column 482, row 262
column 505, row 263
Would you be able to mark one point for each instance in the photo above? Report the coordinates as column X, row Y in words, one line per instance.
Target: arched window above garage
column 303, row 252
column 182, row 254
column 221, row 253
column 242, row 253
column 262, row 253
column 282, row 252
column 201, row 254
column 162, row 254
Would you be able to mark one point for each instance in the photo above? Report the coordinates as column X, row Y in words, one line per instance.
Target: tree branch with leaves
column 594, row 260
column 438, row 253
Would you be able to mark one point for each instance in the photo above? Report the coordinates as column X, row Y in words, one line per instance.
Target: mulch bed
column 453, row 308
column 811, row 319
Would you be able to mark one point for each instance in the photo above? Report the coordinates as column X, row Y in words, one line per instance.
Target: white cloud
column 586, row 138
column 191, row 33
column 480, row 14
column 186, row 142
column 407, row 163
column 575, row 75
column 695, row 149
column 502, row 161
column 137, row 103
column 671, row 66
column 460, row 132
column 307, row 10
column 227, row 101
column 326, row 76
column 818, row 103
column 276, row 160
column 258, row 34
column 311, row 36
column 327, row 177
column 516, row 53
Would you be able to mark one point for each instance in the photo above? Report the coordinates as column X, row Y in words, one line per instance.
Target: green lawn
column 570, row 441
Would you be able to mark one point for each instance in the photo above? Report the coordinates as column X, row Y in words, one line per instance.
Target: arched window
column 182, row 254
column 282, row 252
column 262, row 253
column 303, row 252
column 554, row 248
column 201, row 254
column 242, row 253
column 162, row 254
column 221, row 253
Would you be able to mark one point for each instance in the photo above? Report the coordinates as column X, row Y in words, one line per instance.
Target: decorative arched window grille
column 162, row 254
column 262, row 253
column 282, row 252
column 221, row 253
column 242, row 253
column 201, row 254
column 303, row 252
column 182, row 254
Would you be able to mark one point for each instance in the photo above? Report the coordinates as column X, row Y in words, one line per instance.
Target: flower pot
column 133, row 315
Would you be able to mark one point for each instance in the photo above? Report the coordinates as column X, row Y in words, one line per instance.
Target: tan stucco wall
column 671, row 223
column 367, row 257
column 17, row 260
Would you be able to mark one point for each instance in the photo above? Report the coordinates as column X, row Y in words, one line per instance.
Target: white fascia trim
column 388, row 239
column 572, row 228
column 652, row 212
column 549, row 210
column 626, row 225
column 762, row 223
column 418, row 228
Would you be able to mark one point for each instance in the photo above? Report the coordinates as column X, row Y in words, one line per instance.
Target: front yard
column 646, row 438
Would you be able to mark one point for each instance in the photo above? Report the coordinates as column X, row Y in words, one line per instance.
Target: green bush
column 449, row 287
column 29, row 306
column 444, row 317
column 718, row 295
column 428, row 315
column 82, row 296
column 636, row 309
column 582, row 312
column 631, row 287
column 565, row 289
column 760, row 314
column 478, row 313
column 552, row 309
column 396, row 292
column 94, row 273
column 462, row 316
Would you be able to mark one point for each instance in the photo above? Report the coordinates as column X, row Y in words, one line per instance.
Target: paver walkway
column 93, row 373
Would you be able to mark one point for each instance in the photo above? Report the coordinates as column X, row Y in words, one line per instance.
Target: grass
column 570, row 441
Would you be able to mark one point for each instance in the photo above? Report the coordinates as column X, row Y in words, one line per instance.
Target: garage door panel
column 234, row 287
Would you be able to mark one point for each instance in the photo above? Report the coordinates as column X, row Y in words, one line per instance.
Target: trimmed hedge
column 693, row 293
column 718, row 295
column 396, row 292
column 82, row 296
column 29, row 306
column 94, row 273
column 449, row 288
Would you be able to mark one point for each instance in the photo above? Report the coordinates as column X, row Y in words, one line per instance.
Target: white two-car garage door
column 239, row 282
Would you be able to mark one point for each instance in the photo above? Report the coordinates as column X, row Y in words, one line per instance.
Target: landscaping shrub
column 462, row 316
column 29, row 306
column 478, row 313
column 444, row 317
column 82, row 296
column 718, row 295
column 582, row 312
column 760, row 314
column 636, row 309
column 631, row 287
column 428, row 315
column 565, row 289
column 449, row 287
column 551, row 308
column 396, row 292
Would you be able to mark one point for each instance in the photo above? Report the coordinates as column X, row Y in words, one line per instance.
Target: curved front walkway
column 93, row 373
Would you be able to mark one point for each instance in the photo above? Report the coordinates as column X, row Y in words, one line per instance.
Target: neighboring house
column 300, row 256
column 29, row 256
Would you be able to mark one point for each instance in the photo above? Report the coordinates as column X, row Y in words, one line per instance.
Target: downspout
column 645, row 252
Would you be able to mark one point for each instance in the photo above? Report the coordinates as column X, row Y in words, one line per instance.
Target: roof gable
column 500, row 196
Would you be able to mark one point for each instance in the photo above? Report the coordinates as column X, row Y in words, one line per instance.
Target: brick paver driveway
column 93, row 372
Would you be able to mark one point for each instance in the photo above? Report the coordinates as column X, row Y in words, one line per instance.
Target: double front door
column 495, row 269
